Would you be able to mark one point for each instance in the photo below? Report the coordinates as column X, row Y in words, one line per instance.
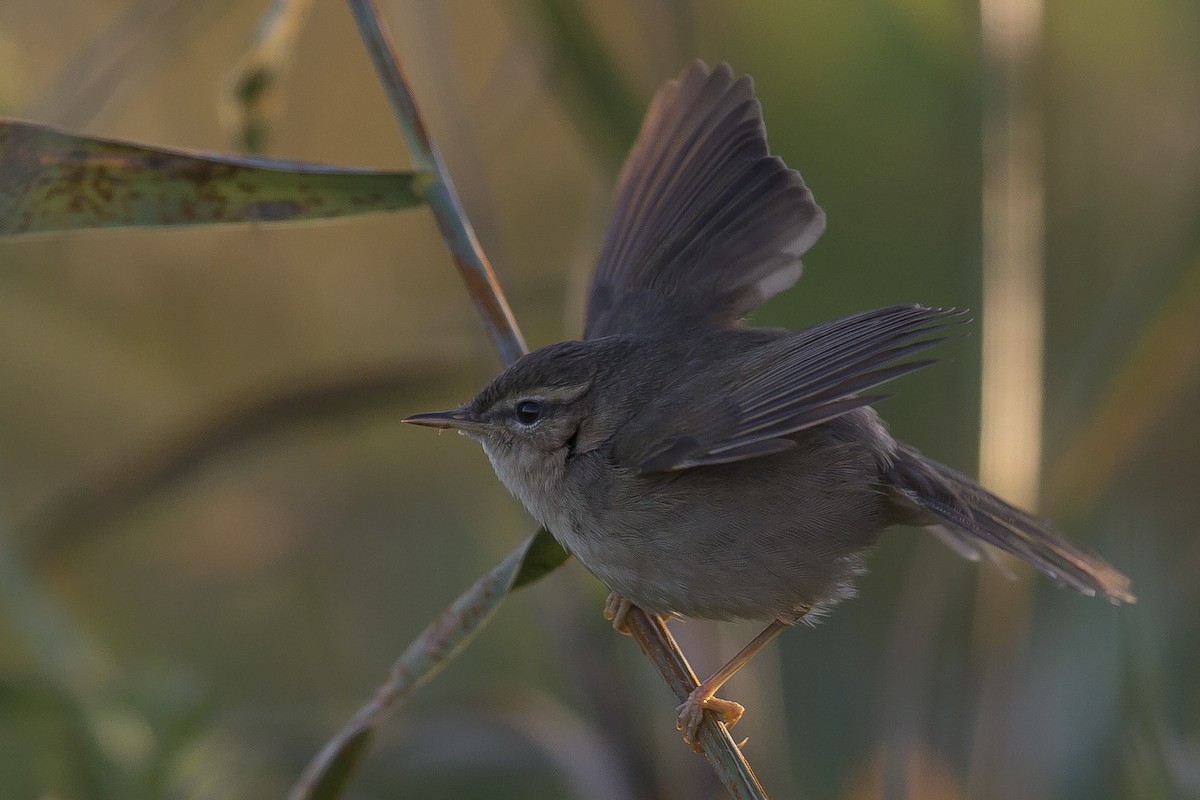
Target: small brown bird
column 703, row 468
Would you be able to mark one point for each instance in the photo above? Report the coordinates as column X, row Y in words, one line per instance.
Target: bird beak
column 443, row 420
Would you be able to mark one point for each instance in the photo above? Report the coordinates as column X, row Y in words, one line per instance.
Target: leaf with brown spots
column 51, row 180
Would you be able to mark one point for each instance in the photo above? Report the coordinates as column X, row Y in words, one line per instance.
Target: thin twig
column 657, row 643
column 439, row 193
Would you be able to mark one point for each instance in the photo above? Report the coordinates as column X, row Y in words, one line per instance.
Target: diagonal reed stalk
column 326, row 775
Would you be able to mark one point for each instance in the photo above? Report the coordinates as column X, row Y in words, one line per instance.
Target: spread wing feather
column 793, row 383
column 706, row 225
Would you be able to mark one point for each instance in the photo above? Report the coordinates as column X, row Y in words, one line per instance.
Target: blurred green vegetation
column 207, row 639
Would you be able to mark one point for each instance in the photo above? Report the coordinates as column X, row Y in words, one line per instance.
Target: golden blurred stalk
column 1010, row 435
column 1013, row 305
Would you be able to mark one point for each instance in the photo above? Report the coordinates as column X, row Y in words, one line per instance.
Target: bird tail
column 967, row 513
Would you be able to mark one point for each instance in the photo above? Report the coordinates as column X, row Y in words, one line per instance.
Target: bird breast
column 751, row 540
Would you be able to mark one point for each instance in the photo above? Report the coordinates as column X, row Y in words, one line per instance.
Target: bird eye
column 528, row 412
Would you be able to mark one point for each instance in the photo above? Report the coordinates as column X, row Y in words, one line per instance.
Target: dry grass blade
column 252, row 100
column 327, row 773
column 1153, row 375
column 128, row 52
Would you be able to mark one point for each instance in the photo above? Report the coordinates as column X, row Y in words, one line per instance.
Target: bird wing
column 706, row 225
column 752, row 405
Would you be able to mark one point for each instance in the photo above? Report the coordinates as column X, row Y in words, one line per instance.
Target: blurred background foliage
column 202, row 634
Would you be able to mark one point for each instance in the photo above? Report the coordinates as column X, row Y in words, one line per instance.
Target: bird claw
column 616, row 608
column 691, row 714
column 701, row 699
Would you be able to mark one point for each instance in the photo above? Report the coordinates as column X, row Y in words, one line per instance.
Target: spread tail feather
column 948, row 498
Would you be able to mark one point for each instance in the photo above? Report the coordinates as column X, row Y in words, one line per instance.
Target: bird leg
column 703, row 697
column 616, row 608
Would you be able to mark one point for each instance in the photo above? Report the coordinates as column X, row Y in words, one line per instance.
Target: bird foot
column 616, row 608
column 691, row 714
